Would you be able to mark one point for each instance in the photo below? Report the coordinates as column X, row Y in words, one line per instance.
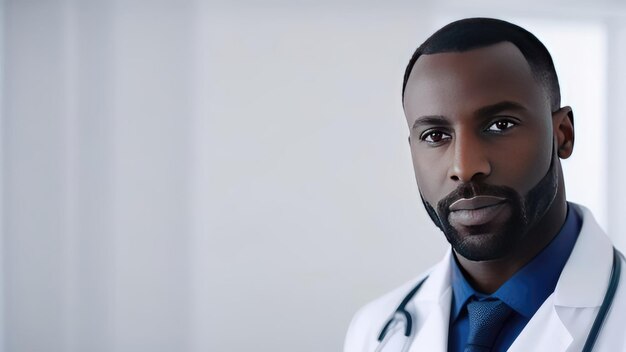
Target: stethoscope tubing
column 616, row 271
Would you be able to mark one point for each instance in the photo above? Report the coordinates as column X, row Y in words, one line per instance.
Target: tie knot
column 486, row 319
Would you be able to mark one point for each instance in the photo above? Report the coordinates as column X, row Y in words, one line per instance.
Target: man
column 527, row 271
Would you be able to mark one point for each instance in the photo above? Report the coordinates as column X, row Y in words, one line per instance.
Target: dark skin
column 481, row 116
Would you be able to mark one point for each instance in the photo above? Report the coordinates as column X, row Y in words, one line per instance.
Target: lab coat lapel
column 581, row 286
column 432, row 305
column 586, row 274
column 545, row 329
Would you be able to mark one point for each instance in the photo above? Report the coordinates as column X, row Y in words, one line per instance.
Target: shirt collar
column 527, row 289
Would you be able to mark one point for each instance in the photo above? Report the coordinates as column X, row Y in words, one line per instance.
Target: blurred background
column 234, row 175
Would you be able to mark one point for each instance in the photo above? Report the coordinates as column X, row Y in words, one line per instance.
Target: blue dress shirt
column 524, row 292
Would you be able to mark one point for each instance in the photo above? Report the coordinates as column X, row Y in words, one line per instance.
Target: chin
column 484, row 246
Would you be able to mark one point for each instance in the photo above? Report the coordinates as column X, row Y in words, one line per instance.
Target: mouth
column 476, row 211
column 476, row 203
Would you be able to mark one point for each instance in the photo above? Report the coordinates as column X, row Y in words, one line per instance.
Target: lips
column 476, row 202
column 478, row 210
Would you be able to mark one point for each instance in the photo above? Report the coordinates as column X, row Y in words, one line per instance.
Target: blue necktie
column 486, row 319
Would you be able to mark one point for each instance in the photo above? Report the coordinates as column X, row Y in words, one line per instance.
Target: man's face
column 481, row 139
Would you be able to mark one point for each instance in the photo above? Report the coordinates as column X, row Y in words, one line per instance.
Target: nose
column 470, row 161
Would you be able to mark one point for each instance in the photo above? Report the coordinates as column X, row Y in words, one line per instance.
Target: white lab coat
column 561, row 323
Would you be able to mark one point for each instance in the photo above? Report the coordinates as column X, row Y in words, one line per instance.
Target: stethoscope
column 401, row 321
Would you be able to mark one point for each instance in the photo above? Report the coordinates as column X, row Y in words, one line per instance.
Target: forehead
column 451, row 83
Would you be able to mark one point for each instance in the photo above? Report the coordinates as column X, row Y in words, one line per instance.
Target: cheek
column 430, row 173
column 523, row 164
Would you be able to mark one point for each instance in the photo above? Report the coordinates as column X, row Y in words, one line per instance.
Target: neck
column 488, row 276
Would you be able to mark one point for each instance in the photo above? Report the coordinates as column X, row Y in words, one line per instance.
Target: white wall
column 312, row 200
column 195, row 176
column 96, row 176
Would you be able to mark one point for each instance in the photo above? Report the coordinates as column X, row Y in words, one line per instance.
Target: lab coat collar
column 582, row 285
column 588, row 267
column 438, row 282
column 433, row 303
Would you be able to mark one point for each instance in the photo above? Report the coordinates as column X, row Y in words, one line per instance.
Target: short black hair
column 474, row 33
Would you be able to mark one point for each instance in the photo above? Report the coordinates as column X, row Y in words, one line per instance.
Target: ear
column 563, row 124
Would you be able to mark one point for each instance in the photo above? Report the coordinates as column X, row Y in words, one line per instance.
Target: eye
column 501, row 126
column 434, row 137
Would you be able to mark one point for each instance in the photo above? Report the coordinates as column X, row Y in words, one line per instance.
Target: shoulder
column 368, row 321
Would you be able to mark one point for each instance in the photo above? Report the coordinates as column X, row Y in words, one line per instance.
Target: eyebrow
column 431, row 120
column 499, row 107
column 488, row 110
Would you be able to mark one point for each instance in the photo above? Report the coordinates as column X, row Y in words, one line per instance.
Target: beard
column 484, row 242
